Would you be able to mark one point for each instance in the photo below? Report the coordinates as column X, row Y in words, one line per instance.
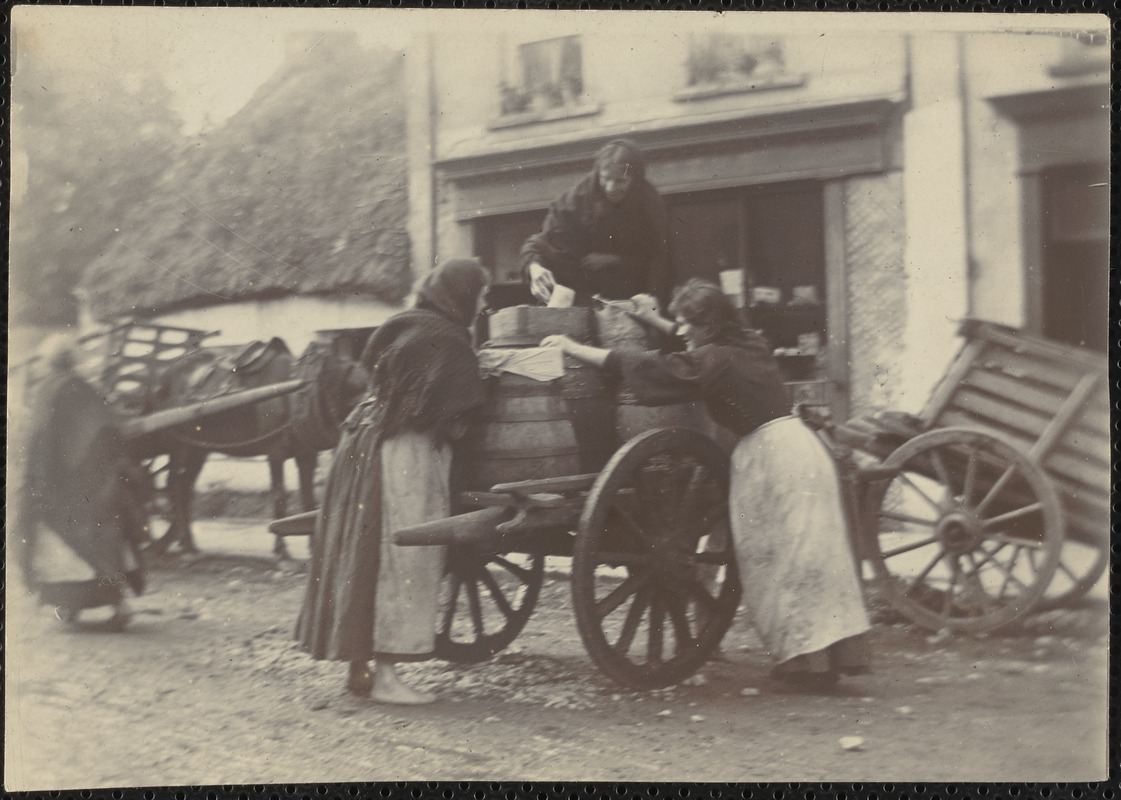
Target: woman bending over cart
column 799, row 577
column 367, row 598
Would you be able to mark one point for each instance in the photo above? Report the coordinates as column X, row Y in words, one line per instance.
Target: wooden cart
column 654, row 580
column 994, row 500
column 126, row 362
column 966, row 513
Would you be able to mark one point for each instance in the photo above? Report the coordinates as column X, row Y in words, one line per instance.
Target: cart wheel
column 1081, row 565
column 654, row 579
column 967, row 534
column 486, row 599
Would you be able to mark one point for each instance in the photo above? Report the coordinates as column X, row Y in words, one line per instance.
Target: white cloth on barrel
column 537, row 363
column 415, row 470
column 799, row 577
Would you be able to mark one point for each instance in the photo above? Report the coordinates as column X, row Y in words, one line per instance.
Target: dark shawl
column 424, row 374
column 630, row 242
column 81, row 484
column 737, row 377
column 423, row 370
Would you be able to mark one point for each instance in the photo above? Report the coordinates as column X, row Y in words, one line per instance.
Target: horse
column 295, row 426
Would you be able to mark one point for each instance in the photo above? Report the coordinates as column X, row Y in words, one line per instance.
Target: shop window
column 766, row 247
column 1075, row 255
column 498, row 244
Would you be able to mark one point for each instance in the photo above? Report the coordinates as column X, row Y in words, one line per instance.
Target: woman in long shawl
column 799, row 577
column 80, row 519
column 368, row 598
column 608, row 235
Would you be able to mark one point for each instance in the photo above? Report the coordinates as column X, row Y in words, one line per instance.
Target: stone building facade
column 879, row 184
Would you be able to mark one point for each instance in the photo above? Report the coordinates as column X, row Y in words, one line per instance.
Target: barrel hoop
column 541, row 416
column 538, row 452
column 511, row 342
column 543, row 389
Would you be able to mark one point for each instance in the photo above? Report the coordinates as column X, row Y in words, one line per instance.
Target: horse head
column 337, row 382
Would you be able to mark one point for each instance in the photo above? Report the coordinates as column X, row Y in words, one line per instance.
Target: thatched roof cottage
column 291, row 217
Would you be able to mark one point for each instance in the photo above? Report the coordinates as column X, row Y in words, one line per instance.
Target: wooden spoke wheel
column 967, row 534
column 1081, row 565
column 485, row 601
column 654, row 578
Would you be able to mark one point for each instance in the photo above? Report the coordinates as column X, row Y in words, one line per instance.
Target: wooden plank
column 1043, row 399
column 1093, row 504
column 1084, row 503
column 1094, row 416
column 474, row 527
column 944, row 389
column 1088, row 531
column 1036, row 347
column 567, row 483
column 1000, row 414
column 1095, row 496
column 1075, row 468
column 1061, row 376
column 295, row 525
column 1058, row 426
column 1076, row 443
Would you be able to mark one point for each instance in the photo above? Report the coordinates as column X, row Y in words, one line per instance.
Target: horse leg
column 172, row 470
column 279, row 501
column 182, row 493
column 305, row 463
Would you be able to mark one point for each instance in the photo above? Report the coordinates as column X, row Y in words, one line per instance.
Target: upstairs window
column 724, row 63
column 545, row 81
column 1082, row 53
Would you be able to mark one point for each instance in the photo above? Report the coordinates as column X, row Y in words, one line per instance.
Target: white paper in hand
column 562, row 297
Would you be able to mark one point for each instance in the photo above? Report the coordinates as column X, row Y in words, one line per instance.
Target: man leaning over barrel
column 607, row 235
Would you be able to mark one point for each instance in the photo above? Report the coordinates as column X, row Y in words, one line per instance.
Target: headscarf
column 453, row 289
column 423, row 371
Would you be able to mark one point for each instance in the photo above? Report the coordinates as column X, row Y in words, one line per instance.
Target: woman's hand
column 647, row 312
column 646, row 308
column 596, row 356
column 541, row 282
column 560, row 341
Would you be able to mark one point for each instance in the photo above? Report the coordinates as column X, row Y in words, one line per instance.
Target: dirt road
column 207, row 687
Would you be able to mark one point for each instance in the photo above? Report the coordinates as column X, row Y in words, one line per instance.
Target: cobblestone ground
column 207, row 687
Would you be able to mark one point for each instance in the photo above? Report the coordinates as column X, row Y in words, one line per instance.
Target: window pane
column 552, row 75
column 706, row 235
column 1076, row 255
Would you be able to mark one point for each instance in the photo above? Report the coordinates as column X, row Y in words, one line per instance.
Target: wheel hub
column 960, row 532
column 670, row 558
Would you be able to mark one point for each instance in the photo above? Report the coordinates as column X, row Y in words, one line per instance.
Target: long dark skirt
column 367, row 597
column 82, row 553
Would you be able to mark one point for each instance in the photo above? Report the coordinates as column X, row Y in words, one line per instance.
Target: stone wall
column 875, row 235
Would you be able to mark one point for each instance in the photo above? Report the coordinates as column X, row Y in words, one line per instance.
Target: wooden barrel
column 526, row 326
column 540, row 429
column 617, row 330
column 524, row 432
column 591, row 407
column 631, row 420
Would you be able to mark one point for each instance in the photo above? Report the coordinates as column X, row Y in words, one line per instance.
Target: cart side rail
column 1050, row 399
